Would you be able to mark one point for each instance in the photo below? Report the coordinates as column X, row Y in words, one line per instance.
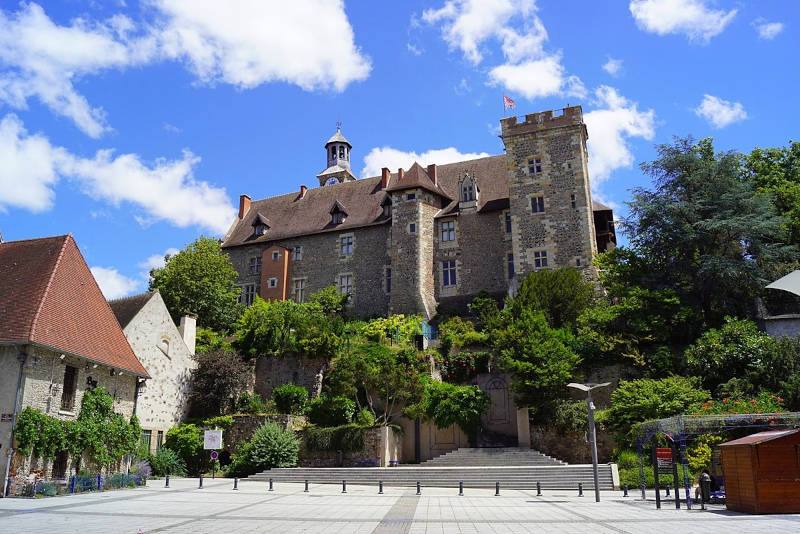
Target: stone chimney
column 303, row 190
column 188, row 330
column 400, row 173
column 244, row 206
column 432, row 173
column 385, row 175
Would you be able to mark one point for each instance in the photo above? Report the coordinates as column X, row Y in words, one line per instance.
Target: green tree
column 776, row 171
column 447, row 404
column 703, row 231
column 560, row 294
column 641, row 400
column 540, row 358
column 217, row 380
column 290, row 398
column 186, row 440
column 271, row 446
column 199, row 280
column 330, row 300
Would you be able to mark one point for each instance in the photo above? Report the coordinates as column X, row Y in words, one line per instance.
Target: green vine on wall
column 103, row 435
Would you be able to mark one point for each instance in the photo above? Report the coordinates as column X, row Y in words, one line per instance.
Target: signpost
column 212, row 439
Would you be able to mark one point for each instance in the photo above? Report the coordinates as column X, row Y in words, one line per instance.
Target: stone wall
column 782, row 325
column 163, row 401
column 571, row 447
column 245, row 425
column 274, row 371
column 563, row 230
column 381, row 446
column 321, row 263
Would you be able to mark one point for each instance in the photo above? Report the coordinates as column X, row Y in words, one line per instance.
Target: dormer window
column 338, row 214
column 468, row 189
column 260, row 225
column 386, row 205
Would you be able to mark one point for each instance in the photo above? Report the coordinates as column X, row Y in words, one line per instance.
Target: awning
column 790, row 283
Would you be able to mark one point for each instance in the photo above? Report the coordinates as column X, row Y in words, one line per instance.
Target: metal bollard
column 461, row 489
column 667, row 490
column 201, row 483
column 35, row 482
column 538, row 489
column 235, row 483
column 624, row 490
column 380, row 487
column 496, row 489
column 72, row 484
column 270, row 485
column 419, row 490
column 99, row 482
column 306, row 488
column 580, row 489
column 166, row 481
column 344, row 486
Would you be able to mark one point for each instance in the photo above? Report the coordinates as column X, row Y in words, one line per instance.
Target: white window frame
column 534, row 165
column 248, row 294
column 540, row 259
column 254, row 265
column 298, row 253
column 275, row 255
column 344, row 282
column 346, row 245
column 537, row 204
column 448, row 231
column 299, row 289
column 272, row 283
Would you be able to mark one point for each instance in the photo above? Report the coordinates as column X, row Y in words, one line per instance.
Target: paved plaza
column 183, row 508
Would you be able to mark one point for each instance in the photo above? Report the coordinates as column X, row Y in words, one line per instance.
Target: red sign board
column 664, row 457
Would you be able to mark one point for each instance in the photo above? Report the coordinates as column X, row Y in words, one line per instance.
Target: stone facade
column 382, row 445
column 160, row 346
column 274, row 371
column 43, row 389
column 529, row 209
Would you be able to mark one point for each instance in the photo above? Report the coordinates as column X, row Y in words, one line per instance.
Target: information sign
column 664, row 459
column 212, row 439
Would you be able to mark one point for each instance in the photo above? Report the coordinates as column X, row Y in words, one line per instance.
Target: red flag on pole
column 508, row 103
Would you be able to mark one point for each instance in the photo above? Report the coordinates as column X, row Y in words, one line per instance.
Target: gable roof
column 760, row 437
column 48, row 297
column 293, row 215
column 416, row 177
column 125, row 309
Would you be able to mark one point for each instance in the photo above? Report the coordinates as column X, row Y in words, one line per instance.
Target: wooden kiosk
column 762, row 472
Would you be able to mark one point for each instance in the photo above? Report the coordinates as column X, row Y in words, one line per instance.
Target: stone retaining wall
column 245, row 425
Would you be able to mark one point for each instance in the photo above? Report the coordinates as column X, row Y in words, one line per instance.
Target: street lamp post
column 592, row 435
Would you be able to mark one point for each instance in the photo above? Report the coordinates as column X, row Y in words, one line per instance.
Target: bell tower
column 337, row 151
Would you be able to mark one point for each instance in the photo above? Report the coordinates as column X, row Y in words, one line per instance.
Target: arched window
column 468, row 189
column 333, row 152
column 341, row 152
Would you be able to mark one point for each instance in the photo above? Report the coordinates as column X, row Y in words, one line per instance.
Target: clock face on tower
column 331, row 181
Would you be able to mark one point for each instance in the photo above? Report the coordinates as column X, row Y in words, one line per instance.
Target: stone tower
column 337, row 151
column 549, row 195
column 416, row 198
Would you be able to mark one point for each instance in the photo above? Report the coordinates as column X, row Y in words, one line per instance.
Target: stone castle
column 428, row 239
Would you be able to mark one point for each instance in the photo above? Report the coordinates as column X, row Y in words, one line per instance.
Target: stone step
column 507, row 456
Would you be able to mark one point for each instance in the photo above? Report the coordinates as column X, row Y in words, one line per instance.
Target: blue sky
column 136, row 126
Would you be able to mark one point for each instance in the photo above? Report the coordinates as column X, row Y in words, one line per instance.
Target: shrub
column 221, row 421
column 397, row 328
column 143, row 468
column 289, row 398
column 765, row 402
column 331, row 411
column 463, row 366
column 631, row 477
column 250, row 403
column 348, row 438
column 167, row 462
column 627, row 459
column 271, row 446
column 365, row 418
column 187, row 442
column 571, row 416
column 446, row 404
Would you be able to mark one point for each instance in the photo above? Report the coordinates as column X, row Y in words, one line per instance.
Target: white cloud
column 612, row 66
column 165, row 190
column 389, row 157
column 528, row 69
column 113, row 284
column 616, row 120
column 241, row 42
column 157, row 261
column 171, row 128
column 249, row 42
column 720, row 113
column 692, row 18
column 536, row 79
column 767, row 30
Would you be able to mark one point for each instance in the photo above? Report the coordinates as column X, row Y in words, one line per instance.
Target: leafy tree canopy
column 560, row 294
column 776, row 171
column 217, row 379
column 447, row 404
column 199, row 280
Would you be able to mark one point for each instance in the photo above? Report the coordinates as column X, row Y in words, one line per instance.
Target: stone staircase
column 513, row 468
column 505, row 456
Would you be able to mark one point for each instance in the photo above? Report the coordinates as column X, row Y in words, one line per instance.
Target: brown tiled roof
column 760, row 437
column 415, row 177
column 125, row 309
column 49, row 297
column 293, row 215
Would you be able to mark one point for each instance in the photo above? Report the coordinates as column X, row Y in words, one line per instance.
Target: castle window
column 537, row 204
column 387, row 207
column 146, row 439
column 159, row 440
column 346, row 284
column 449, row 273
column 338, row 217
column 448, row 231
column 411, row 196
column 467, row 188
column 412, row 228
column 272, row 282
column 255, row 265
column 248, row 294
column 510, row 260
column 341, row 152
column 578, row 262
column 299, row 289
column 534, row 165
column 333, row 152
column 346, row 245
column 70, row 386
column 572, row 200
column 508, row 223
column 540, row 259
column 388, row 279
column 260, row 229
column 298, row 253
column 276, row 255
